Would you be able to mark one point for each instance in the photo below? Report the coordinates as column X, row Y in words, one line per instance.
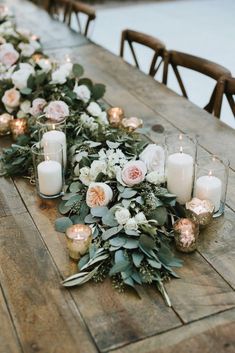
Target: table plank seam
column 12, row 321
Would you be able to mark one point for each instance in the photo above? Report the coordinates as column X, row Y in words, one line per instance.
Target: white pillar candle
column 209, row 187
column 50, row 178
column 180, row 170
column 54, row 136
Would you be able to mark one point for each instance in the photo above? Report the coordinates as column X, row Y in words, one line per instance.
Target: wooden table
column 38, row 315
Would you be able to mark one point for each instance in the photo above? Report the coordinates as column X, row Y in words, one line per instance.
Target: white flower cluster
column 124, row 218
column 87, row 175
column 114, row 159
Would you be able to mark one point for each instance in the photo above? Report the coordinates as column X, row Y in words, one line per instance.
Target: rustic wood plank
column 10, row 202
column 214, row 334
column 44, row 314
column 8, row 339
column 175, row 109
column 53, row 34
column 113, row 319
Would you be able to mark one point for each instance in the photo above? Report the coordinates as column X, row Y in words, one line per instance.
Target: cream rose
column 94, row 109
column 155, row 178
column 38, row 105
column 131, row 224
column 8, row 55
column 83, row 93
column 122, row 215
column 98, row 194
column 60, row 75
column 154, row 158
column 57, row 110
column 84, row 176
column 25, row 106
column 27, row 49
column 97, row 167
column 11, row 98
column 45, row 65
column 134, row 172
column 20, row 77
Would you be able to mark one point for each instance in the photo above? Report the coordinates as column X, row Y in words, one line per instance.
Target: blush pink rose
column 11, row 98
column 38, row 105
column 134, row 173
column 57, row 110
column 8, row 55
column 98, row 195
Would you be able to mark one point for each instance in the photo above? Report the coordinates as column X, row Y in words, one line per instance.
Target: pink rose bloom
column 98, row 195
column 57, row 110
column 38, row 105
column 134, row 173
column 11, row 98
column 8, row 55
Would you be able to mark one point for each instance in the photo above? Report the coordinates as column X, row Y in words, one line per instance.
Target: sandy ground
column 201, row 27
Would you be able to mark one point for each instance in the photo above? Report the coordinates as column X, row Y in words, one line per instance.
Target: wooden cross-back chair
column 75, row 10
column 59, row 9
column 225, row 87
column 208, row 68
column 146, row 40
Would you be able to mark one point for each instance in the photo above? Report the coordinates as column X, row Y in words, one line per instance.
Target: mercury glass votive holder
column 200, row 211
column 79, row 237
column 186, row 235
column 5, row 120
column 211, row 182
column 18, row 127
column 115, row 116
column 48, row 169
column 132, row 123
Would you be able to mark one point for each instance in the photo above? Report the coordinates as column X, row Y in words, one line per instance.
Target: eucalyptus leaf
column 83, row 261
column 119, row 267
column 78, row 70
column 159, row 215
column 73, row 200
column 109, row 220
column 147, row 241
column 75, row 187
column 61, row 224
column 80, row 278
column 119, row 256
column 128, row 193
column 131, row 244
column 154, row 263
column 63, row 209
column 98, row 91
column 111, row 232
column 90, row 219
column 137, row 258
column 117, row 241
column 113, row 145
column 99, row 211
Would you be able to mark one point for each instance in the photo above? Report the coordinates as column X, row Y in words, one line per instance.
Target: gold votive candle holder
column 115, row 116
column 79, row 237
column 132, row 123
column 200, row 211
column 18, row 127
column 5, row 124
column 186, row 234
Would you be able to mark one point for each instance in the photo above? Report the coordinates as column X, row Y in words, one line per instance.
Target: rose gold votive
column 18, row 127
column 79, row 238
column 200, row 211
column 186, row 235
column 132, row 123
column 115, row 116
column 5, row 124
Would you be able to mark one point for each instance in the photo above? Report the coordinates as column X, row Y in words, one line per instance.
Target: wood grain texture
column 53, row 34
column 10, row 202
column 44, row 314
column 214, row 334
column 8, row 339
column 112, row 319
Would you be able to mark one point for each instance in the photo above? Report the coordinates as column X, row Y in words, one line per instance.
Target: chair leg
column 165, row 68
column 211, row 105
column 231, row 103
column 219, row 92
column 180, row 81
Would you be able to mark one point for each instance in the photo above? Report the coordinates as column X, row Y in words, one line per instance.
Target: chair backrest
column 208, row 68
column 225, row 87
column 59, row 9
column 153, row 43
column 76, row 8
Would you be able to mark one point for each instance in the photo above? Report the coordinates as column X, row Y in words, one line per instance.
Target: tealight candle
column 180, row 171
column 49, row 178
column 5, row 123
column 54, row 136
column 200, row 211
column 115, row 116
column 18, row 127
column 79, row 237
column 186, row 234
column 209, row 187
column 132, row 123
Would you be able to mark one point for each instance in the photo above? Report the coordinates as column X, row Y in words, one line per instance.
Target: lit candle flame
column 53, row 127
column 210, row 173
column 67, row 59
column 180, row 137
column 181, row 149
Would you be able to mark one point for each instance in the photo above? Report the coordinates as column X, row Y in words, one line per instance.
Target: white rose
column 20, row 77
column 8, row 55
column 11, row 98
column 97, row 167
column 140, row 218
column 57, row 110
column 84, row 176
column 80, row 155
column 131, row 224
column 38, row 105
column 27, row 49
column 98, row 195
column 102, row 118
column 45, row 65
column 122, row 215
column 154, row 158
column 83, row 93
column 155, row 178
column 60, row 75
column 25, row 106
column 94, row 109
